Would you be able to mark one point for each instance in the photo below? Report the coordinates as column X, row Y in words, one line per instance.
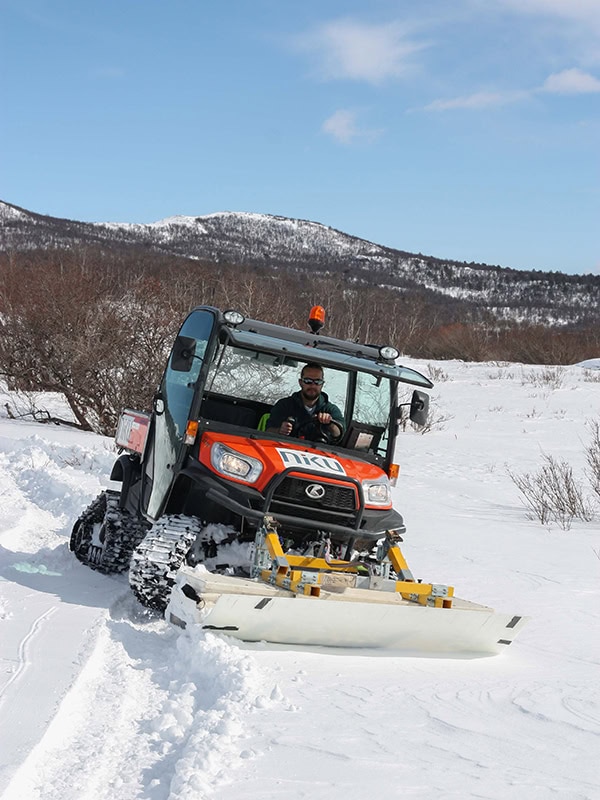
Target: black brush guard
column 346, row 532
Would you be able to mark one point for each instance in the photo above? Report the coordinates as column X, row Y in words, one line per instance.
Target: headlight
column 234, row 465
column 377, row 493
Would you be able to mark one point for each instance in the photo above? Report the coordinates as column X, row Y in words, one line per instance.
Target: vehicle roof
column 328, row 351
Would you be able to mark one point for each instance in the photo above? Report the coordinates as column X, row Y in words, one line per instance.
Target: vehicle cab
column 210, row 453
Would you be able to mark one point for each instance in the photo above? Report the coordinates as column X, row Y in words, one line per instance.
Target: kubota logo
column 315, row 491
column 310, row 461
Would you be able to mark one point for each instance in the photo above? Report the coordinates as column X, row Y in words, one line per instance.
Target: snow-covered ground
column 100, row 700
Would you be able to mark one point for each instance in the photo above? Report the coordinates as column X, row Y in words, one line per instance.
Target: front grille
column 341, row 499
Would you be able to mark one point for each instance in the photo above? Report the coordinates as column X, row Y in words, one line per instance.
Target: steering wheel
column 315, row 431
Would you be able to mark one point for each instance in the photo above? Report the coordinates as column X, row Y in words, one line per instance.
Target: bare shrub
column 533, row 414
column 591, row 375
column 437, row 374
column 436, row 421
column 501, row 375
column 592, row 453
column 552, row 494
column 25, row 405
column 549, row 377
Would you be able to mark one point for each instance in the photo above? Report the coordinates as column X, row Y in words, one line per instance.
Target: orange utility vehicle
column 294, row 539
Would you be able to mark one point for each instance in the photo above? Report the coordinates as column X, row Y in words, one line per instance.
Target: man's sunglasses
column 309, row 381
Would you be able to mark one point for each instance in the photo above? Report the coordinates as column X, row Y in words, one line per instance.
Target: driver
column 309, row 405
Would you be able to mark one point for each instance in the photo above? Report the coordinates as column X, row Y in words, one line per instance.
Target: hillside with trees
column 278, row 245
column 94, row 319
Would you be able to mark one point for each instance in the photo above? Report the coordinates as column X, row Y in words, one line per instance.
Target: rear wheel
column 105, row 535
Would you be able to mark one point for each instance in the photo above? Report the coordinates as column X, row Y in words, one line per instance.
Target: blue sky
column 467, row 129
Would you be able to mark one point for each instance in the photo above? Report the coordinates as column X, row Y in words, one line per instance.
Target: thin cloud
column 346, row 49
column 587, row 11
column 571, row 81
column 343, row 126
column 477, row 100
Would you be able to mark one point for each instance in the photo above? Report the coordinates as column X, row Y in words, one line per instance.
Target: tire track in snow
column 152, row 715
column 23, row 660
column 39, row 580
column 38, row 672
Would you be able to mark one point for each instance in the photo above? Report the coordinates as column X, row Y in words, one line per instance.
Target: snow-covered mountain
column 273, row 242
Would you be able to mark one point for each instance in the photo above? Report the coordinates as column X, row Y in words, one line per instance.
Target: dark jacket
column 293, row 406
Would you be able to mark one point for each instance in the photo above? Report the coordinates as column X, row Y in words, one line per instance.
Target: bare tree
column 73, row 329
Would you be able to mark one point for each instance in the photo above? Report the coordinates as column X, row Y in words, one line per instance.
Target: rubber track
column 122, row 533
column 157, row 558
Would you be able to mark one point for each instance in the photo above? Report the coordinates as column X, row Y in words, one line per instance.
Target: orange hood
column 276, row 456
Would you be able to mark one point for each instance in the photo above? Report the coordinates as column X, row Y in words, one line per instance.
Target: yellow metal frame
column 302, row 574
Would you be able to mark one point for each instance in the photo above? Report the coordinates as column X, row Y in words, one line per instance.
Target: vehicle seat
column 262, row 422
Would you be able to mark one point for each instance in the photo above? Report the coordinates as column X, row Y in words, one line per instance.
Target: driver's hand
column 285, row 428
column 324, row 418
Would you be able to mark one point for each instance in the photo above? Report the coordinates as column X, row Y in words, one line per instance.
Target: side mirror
column 182, row 356
column 419, row 408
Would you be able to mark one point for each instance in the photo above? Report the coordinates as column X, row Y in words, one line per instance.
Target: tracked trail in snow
column 48, row 615
column 151, row 716
column 78, row 746
column 95, row 704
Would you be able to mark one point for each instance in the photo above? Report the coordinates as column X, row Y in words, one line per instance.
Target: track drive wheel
column 105, row 535
column 158, row 556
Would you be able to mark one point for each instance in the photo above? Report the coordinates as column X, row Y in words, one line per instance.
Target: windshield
column 265, row 378
column 363, row 398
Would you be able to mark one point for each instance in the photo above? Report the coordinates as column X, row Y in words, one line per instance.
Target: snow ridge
column 177, row 709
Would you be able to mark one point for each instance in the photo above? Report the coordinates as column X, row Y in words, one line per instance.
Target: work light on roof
column 233, row 317
column 388, row 353
column 316, row 319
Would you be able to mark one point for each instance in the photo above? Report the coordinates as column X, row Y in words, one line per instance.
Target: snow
column 9, row 213
column 590, row 363
column 100, row 699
